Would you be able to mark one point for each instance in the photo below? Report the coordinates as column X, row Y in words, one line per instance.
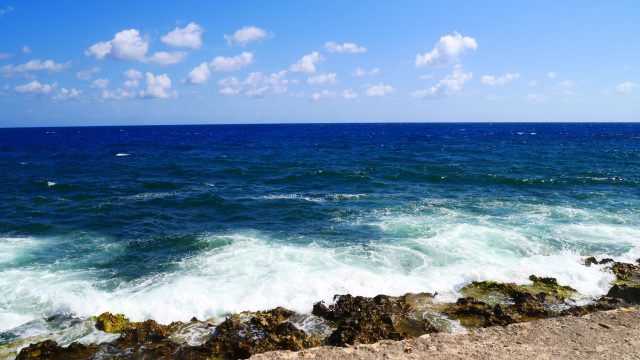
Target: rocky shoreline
column 349, row 320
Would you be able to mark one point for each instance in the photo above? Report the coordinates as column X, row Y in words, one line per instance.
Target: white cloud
column 67, row 94
column 100, row 83
column 125, row 45
column 500, row 80
column 232, row 63
column 49, row 66
column 535, row 97
column 87, row 74
column 255, row 84
column 167, row 58
column 565, row 88
column 35, row 88
column 118, row 94
column 189, row 36
column 158, row 87
column 349, row 94
column 199, row 74
column 321, row 79
column 26, row 50
column 5, row 56
column 532, row 83
column 552, row 75
column 626, row 87
column 379, row 90
column 132, row 76
column 307, row 64
column 324, row 94
column 246, row 35
column 447, row 50
column 344, row 48
column 449, row 86
column 362, row 72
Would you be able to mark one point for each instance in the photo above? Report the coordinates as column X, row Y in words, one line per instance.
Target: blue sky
column 116, row 62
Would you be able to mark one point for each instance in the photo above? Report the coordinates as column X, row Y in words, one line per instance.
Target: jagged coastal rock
column 352, row 320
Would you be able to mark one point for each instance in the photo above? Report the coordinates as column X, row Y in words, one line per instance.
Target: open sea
column 171, row 222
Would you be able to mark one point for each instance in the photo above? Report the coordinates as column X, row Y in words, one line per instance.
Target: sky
column 68, row 63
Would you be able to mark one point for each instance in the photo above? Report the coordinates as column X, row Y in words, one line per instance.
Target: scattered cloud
column 100, row 83
column 246, row 35
column 125, row 45
column 362, row 72
column 87, row 74
column 344, row 48
column 565, row 88
column 447, row 51
column 626, row 87
column 167, row 58
column 118, row 94
column 5, row 56
column 189, row 36
column 552, row 75
column 36, row 65
column 256, row 84
column 199, row 74
column 379, row 90
column 307, row 64
column 158, row 87
column 323, row 79
column 499, row 80
column 324, row 94
column 133, row 76
column 532, row 83
column 449, row 86
column 232, row 63
column 26, row 50
column 35, row 88
column 67, row 94
column 349, row 94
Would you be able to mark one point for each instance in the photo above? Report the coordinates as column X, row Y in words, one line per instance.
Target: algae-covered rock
column 246, row 334
column 365, row 320
column 111, row 323
column 625, row 272
column 493, row 292
column 50, row 350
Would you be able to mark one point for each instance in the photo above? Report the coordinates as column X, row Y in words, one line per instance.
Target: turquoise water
column 172, row 222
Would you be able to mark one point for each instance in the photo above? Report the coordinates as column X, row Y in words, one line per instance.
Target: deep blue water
column 174, row 221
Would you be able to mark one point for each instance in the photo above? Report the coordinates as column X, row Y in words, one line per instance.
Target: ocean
column 171, row 222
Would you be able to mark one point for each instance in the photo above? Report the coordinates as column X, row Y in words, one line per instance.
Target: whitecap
column 122, row 154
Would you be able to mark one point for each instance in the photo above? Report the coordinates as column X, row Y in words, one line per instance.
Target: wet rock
column 626, row 272
column 111, row 323
column 365, row 320
column 602, row 304
column 50, row 350
column 245, row 334
column 593, row 261
column 629, row 294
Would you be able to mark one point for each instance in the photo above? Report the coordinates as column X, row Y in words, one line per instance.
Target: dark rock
column 50, row 350
column 626, row 272
column 629, row 294
column 593, row 261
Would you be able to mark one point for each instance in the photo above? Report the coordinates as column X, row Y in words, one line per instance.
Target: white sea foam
column 122, row 154
column 51, row 183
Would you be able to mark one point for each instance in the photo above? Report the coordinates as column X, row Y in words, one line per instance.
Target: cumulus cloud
column 362, row 72
column 450, row 85
column 67, row 94
column 26, row 50
column 199, row 74
column 118, row 94
column 344, row 48
column 36, row 65
column 322, row 79
column 158, row 87
column 552, row 75
column 232, row 63
column 349, row 94
column 256, row 84
column 87, row 74
column 100, row 83
column 35, row 88
column 379, row 90
column 307, row 64
column 189, row 36
column 125, row 45
column 246, row 35
column 626, row 87
column 166, row 58
column 447, row 50
column 499, row 80
column 324, row 94
column 132, row 76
